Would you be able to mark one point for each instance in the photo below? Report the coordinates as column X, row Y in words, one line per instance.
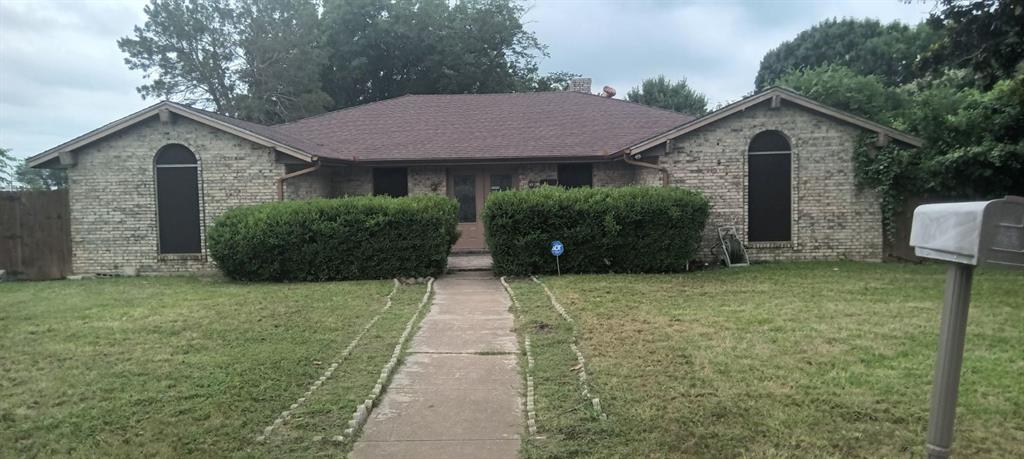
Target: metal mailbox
column 971, row 232
column 965, row 234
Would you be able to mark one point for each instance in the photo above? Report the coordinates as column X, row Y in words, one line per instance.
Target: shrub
column 632, row 229
column 335, row 239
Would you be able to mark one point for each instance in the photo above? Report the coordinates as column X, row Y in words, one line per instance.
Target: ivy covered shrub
column 630, row 229
column 366, row 237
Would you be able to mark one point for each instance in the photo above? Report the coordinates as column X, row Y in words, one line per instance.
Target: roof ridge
column 351, row 107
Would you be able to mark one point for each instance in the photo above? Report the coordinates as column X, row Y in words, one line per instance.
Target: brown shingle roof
column 481, row 126
column 258, row 129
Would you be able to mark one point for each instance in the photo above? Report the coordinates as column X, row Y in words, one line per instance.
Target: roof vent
column 608, row 92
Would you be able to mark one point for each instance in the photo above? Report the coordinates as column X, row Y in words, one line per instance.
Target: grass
column 778, row 360
column 185, row 366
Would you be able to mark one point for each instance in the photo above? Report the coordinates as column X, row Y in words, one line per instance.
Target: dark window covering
column 177, row 191
column 391, row 181
column 175, row 154
column 769, row 192
column 575, row 175
column 768, row 141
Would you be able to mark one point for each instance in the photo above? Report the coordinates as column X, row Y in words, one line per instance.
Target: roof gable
column 249, row 131
column 772, row 95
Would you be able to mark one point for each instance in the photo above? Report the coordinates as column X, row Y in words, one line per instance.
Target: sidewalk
column 448, row 400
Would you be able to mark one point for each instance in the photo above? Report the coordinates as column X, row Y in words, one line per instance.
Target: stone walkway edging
column 286, row 414
column 584, row 385
column 531, row 411
column 362, row 412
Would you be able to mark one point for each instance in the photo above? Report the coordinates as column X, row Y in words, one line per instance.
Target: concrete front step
column 469, row 262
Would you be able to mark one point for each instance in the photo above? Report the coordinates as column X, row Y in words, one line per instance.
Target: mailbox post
column 964, row 234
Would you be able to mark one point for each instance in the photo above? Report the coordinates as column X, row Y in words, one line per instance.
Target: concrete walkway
column 448, row 400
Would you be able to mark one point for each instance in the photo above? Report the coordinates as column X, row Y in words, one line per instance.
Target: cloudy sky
column 61, row 73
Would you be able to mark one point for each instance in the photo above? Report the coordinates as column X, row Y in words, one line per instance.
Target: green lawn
column 777, row 360
column 185, row 366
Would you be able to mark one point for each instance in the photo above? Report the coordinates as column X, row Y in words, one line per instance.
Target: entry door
column 470, row 188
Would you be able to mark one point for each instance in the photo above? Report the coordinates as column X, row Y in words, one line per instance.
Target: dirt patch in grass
column 802, row 359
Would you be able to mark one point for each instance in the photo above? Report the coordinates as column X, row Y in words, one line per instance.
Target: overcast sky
column 62, row 75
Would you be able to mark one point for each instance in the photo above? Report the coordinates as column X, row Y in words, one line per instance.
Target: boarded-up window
column 177, row 200
column 575, row 175
column 769, row 203
column 391, row 181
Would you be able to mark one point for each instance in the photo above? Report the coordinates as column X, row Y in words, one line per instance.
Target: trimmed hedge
column 631, row 229
column 367, row 237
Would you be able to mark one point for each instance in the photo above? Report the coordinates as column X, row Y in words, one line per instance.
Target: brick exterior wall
column 312, row 185
column 428, row 180
column 532, row 174
column 614, row 174
column 113, row 202
column 831, row 219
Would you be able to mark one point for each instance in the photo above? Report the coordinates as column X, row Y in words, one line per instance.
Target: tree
column 41, row 179
column 189, row 48
column 865, row 46
column 554, row 81
column 985, row 36
column 8, row 168
column 662, row 92
column 282, row 60
column 975, row 144
column 842, row 88
column 378, row 50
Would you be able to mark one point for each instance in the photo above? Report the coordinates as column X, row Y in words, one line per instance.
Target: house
column 776, row 165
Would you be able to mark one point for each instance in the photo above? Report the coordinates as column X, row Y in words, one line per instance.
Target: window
column 177, row 199
column 391, row 181
column 769, row 188
column 575, row 175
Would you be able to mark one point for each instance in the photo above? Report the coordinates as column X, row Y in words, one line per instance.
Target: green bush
column 632, row 229
column 335, row 239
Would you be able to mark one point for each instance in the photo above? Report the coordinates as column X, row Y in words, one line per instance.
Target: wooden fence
column 35, row 237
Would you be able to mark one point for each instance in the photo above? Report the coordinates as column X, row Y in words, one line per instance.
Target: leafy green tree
column 282, row 61
column 975, row 144
column 8, row 169
column 554, row 81
column 842, row 88
column 41, row 179
column 985, row 36
column 189, row 50
column 378, row 50
column 662, row 92
column 865, row 46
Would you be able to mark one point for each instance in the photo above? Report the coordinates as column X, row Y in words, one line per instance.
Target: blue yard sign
column 557, row 249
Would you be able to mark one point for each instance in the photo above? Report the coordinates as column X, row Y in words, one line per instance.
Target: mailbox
column 965, row 234
column 971, row 232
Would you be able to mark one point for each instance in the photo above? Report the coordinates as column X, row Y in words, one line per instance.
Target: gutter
column 280, row 180
column 627, row 156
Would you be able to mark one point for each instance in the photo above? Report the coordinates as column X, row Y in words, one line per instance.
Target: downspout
column 281, row 179
column 627, row 156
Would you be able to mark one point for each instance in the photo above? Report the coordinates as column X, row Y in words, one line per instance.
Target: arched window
column 177, row 199
column 769, row 188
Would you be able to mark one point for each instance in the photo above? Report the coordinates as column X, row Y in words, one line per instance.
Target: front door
column 470, row 187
